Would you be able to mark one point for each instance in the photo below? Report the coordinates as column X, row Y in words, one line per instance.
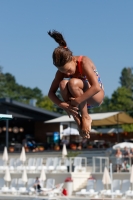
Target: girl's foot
column 86, row 126
column 77, row 119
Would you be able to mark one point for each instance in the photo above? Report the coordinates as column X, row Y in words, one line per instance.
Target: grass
column 72, row 154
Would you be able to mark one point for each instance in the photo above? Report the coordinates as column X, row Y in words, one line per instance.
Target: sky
column 99, row 29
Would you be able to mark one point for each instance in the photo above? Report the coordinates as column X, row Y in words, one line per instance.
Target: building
column 28, row 121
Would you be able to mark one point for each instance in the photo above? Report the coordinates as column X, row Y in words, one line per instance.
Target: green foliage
column 122, row 99
column 10, row 88
column 126, row 78
column 2, row 84
column 127, row 127
column 72, row 154
column 46, row 103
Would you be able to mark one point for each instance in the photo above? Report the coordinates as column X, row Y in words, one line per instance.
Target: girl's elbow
column 97, row 88
column 49, row 94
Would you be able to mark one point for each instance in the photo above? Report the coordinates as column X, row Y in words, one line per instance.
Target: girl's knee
column 73, row 82
column 63, row 84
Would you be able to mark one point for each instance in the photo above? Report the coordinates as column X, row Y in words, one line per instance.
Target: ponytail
column 62, row 53
column 58, row 38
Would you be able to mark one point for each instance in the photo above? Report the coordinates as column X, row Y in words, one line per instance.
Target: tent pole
column 7, row 130
column 118, row 136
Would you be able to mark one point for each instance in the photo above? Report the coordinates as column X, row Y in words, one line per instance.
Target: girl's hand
column 74, row 102
column 71, row 110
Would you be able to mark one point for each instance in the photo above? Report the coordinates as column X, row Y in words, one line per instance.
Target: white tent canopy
column 70, row 131
column 99, row 119
column 109, row 130
column 122, row 145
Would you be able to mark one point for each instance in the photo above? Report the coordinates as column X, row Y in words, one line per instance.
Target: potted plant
column 11, row 149
column 73, row 146
column 90, row 146
column 79, row 147
column 56, row 147
column 41, row 148
column 26, row 149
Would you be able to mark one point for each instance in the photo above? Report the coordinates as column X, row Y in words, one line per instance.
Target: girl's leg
column 76, row 88
column 66, row 95
column 64, row 90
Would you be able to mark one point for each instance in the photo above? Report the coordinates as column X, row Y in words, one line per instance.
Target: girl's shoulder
column 87, row 61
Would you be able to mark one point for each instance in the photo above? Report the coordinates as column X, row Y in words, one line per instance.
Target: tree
column 127, row 127
column 126, row 78
column 3, row 88
column 46, row 103
column 121, row 99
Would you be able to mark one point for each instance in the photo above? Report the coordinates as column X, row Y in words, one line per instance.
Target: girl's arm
column 88, row 71
column 52, row 95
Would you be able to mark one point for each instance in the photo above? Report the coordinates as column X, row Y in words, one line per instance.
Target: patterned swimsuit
column 84, row 78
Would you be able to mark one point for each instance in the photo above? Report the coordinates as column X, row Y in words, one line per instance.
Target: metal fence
column 119, row 165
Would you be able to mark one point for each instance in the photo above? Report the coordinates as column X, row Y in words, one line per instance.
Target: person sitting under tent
column 125, row 167
column 125, row 154
column 37, row 185
column 118, row 156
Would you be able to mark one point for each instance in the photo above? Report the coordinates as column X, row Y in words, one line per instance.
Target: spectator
column 126, row 154
column 118, row 156
column 131, row 155
column 84, row 143
column 24, row 142
column 125, row 166
column 30, row 145
column 64, row 141
column 34, row 144
column 37, row 184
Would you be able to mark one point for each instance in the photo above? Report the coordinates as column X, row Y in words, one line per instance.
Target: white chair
column 126, row 185
column 99, row 186
column 21, row 187
column 116, row 189
column 39, row 164
column 126, row 188
column 49, row 161
column 5, row 189
column 12, row 189
column 89, row 189
column 53, row 192
column 50, row 184
column 56, row 162
column 53, row 165
column 78, row 165
column 12, row 164
column 30, row 184
column 62, row 167
column 19, row 165
column 58, row 189
column 3, row 165
column 31, row 165
column 13, row 186
column 2, row 182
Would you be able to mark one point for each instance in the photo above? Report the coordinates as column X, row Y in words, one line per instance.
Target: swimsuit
column 84, row 78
